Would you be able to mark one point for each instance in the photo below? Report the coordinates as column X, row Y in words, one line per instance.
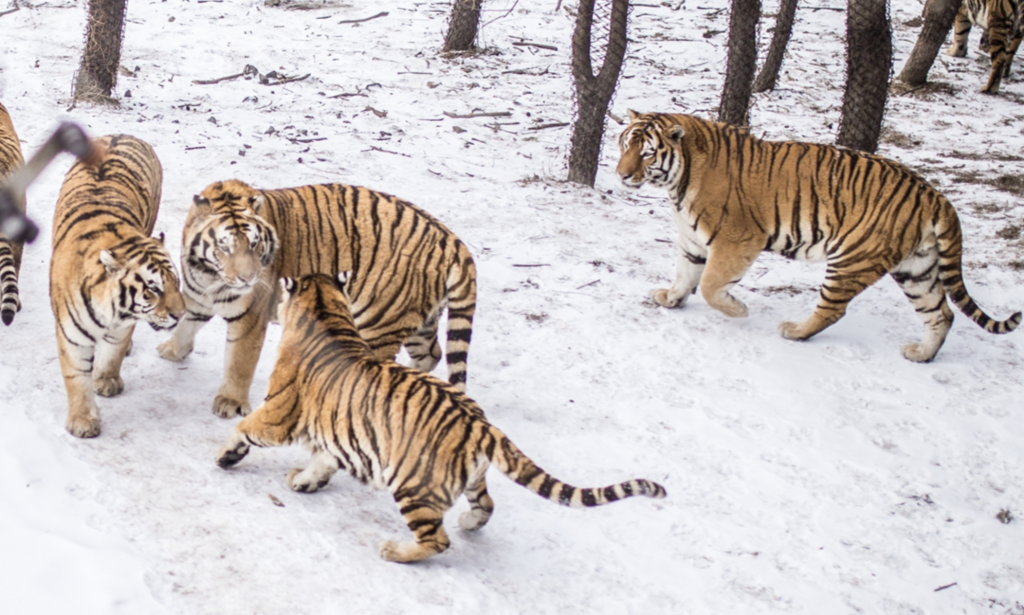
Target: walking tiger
column 1001, row 20
column 735, row 195
column 107, row 273
column 396, row 428
column 406, row 268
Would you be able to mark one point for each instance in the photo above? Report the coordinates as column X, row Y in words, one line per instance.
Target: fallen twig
column 412, row 72
column 347, row 94
column 825, row 8
column 538, row 45
column 387, row 151
column 9, row 11
column 523, row 71
column 248, row 70
column 481, row 114
column 281, row 79
column 272, row 497
column 546, row 126
column 938, row 589
column 380, row 14
column 376, row 112
column 538, row 265
column 663, row 240
column 296, row 140
column 189, row 149
column 588, row 284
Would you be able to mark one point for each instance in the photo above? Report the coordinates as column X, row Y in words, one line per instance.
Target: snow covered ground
column 830, row 476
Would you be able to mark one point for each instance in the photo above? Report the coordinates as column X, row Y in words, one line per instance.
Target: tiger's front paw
column 109, row 386
column 226, row 408
column 473, row 519
column 660, row 296
column 232, row 453
column 304, row 483
column 168, row 350
column 793, row 331
column 83, row 426
column 957, row 51
column 918, row 353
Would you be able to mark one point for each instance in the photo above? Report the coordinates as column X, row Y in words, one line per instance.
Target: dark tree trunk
column 742, row 63
column 938, row 20
column 463, row 25
column 97, row 73
column 777, row 50
column 868, row 66
column 594, row 92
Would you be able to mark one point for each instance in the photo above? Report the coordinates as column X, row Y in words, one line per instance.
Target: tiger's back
column 10, row 252
column 735, row 195
column 396, row 428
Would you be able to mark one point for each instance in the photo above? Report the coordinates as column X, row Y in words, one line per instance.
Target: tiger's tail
column 10, row 263
column 461, row 307
column 950, row 240
column 517, row 466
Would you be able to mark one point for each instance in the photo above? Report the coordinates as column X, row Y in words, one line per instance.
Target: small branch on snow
column 386, row 151
column 546, row 126
column 537, row 45
column 376, row 112
column 481, row 114
column 281, row 79
column 380, row 14
column 523, row 71
column 294, row 140
column 272, row 497
column 938, row 589
column 538, row 265
column 663, row 240
column 248, row 70
column 9, row 11
column 588, row 284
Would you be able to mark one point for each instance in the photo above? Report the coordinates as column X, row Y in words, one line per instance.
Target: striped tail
column 461, row 307
column 10, row 263
column 517, row 466
column 951, row 274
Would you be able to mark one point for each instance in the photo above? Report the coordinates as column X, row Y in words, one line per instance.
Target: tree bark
column 938, row 20
column 97, row 72
column 765, row 80
column 463, row 25
column 594, row 92
column 742, row 62
column 868, row 66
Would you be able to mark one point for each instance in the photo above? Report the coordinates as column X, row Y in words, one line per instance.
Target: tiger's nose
column 245, row 279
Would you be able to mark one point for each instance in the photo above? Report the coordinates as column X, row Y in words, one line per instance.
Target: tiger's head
column 227, row 237
column 141, row 282
column 649, row 149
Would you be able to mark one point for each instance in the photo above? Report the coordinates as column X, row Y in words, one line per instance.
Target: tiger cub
column 396, row 428
column 10, row 252
column 407, row 267
column 107, row 273
column 1001, row 20
column 735, row 195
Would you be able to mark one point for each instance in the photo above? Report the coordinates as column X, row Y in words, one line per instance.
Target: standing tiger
column 1001, row 20
column 735, row 195
column 107, row 273
column 10, row 252
column 406, row 268
column 390, row 426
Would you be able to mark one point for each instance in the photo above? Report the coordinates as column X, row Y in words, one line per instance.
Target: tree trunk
column 739, row 74
column 868, row 66
column 97, row 73
column 938, row 20
column 780, row 38
column 593, row 93
column 463, row 25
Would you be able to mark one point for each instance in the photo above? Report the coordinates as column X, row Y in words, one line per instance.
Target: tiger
column 407, row 267
column 107, row 273
column 735, row 195
column 10, row 251
column 389, row 426
column 1001, row 21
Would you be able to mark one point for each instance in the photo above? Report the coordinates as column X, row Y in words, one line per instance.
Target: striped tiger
column 390, row 426
column 735, row 195
column 107, row 273
column 407, row 267
column 10, row 252
column 1001, row 20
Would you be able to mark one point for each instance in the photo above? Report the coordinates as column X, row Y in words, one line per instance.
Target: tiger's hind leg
column 722, row 273
column 426, row 520
column 961, row 31
column 422, row 346
column 918, row 276
column 321, row 468
column 1002, row 37
column 481, row 506
column 840, row 287
column 111, row 350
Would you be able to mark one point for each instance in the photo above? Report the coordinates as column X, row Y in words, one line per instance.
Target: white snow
column 830, row 476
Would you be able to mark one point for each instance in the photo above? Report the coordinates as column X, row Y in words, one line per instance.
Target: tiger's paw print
column 660, row 296
column 304, row 484
column 108, row 387
column 169, row 351
column 227, row 408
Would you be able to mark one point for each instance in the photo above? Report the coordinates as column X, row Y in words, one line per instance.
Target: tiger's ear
column 676, row 133
column 110, row 263
column 200, row 202
column 632, row 115
column 256, row 202
column 288, row 286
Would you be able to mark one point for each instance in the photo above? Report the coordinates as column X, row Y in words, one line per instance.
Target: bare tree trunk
column 742, row 63
column 593, row 93
column 97, row 73
column 463, row 25
column 938, row 19
column 777, row 50
column 868, row 66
